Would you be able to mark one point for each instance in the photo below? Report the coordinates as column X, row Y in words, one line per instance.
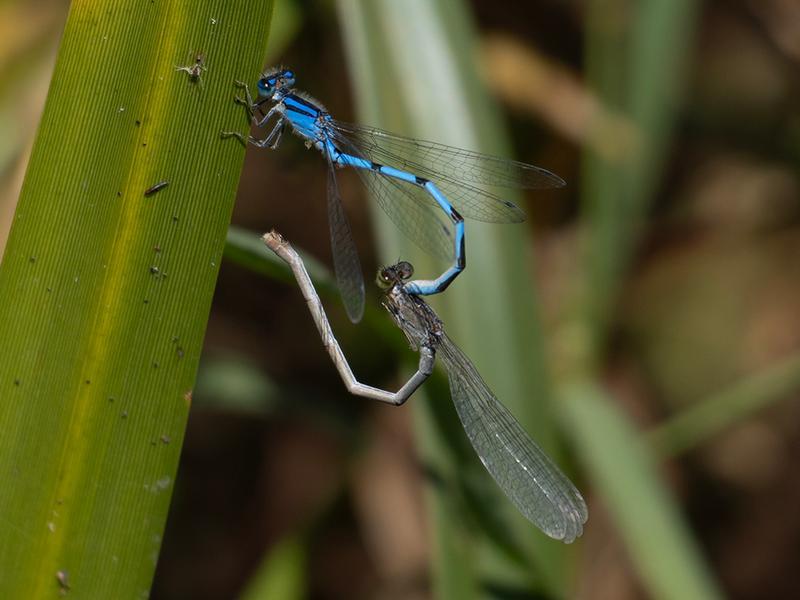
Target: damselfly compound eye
column 404, row 269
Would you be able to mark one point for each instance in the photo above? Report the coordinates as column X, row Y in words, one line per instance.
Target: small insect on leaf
column 194, row 71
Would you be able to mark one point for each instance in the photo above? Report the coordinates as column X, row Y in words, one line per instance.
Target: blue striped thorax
column 275, row 85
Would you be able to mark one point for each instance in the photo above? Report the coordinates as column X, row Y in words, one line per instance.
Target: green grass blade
column 625, row 473
column 282, row 574
column 247, row 250
column 399, row 65
column 707, row 418
column 635, row 55
column 105, row 293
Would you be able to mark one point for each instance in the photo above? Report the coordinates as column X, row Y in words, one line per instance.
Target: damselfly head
column 275, row 80
column 390, row 276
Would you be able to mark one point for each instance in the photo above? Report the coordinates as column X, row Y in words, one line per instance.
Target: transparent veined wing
column 346, row 263
column 409, row 207
column 456, row 171
column 530, row 479
column 468, row 165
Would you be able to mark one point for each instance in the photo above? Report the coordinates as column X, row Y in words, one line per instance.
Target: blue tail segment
column 416, row 208
column 420, row 287
column 424, row 287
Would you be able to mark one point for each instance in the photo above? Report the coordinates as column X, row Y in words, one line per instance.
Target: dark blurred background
column 286, row 479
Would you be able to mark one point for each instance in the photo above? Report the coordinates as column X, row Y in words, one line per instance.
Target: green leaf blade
column 624, row 471
column 105, row 292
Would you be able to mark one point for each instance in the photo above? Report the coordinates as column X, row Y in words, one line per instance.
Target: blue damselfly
column 424, row 187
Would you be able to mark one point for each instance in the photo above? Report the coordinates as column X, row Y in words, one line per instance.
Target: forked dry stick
column 533, row 482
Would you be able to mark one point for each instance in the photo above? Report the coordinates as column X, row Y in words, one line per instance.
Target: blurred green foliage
column 646, row 314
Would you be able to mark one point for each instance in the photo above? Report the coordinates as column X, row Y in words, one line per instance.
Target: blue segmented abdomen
column 421, row 287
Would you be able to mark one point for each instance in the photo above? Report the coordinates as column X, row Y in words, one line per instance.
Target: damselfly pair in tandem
column 416, row 182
